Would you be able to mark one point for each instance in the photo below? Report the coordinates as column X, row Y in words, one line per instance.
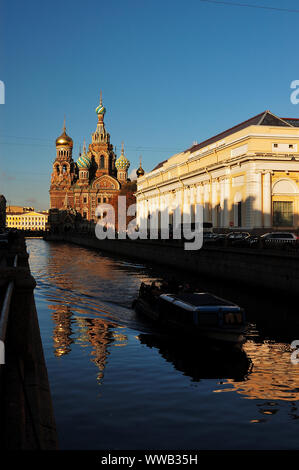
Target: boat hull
column 225, row 335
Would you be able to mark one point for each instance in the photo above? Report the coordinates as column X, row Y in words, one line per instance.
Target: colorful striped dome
column 122, row 163
column 100, row 109
column 83, row 162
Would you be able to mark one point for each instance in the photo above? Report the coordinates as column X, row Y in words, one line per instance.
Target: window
column 275, row 145
column 283, row 213
column 102, row 161
column 290, row 146
column 84, row 215
column 85, row 199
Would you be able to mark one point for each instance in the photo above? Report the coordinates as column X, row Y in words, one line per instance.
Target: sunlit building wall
column 27, row 220
column 245, row 177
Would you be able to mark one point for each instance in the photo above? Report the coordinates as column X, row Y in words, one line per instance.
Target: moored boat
column 199, row 314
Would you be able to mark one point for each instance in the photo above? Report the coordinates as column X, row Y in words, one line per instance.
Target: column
column 206, row 202
column 214, row 202
column 267, row 199
column 199, row 194
column 253, row 198
column 226, row 202
column 221, row 184
column 257, row 203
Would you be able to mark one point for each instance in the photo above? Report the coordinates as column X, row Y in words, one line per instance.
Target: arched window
column 57, row 169
column 102, row 161
column 284, row 186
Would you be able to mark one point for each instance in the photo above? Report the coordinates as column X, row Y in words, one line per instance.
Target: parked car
column 246, row 241
column 274, row 238
column 237, row 238
column 220, row 238
column 209, row 237
column 252, row 241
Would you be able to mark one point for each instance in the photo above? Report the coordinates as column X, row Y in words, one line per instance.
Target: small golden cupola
column 140, row 171
column 64, row 140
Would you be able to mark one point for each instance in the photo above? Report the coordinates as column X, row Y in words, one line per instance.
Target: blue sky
column 171, row 72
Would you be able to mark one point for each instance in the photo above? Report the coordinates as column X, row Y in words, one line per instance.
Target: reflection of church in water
column 62, row 333
column 97, row 176
column 91, row 331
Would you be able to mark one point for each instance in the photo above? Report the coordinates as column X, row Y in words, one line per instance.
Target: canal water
column 119, row 383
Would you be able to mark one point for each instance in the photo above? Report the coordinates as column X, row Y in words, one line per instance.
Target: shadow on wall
column 241, row 215
column 170, row 222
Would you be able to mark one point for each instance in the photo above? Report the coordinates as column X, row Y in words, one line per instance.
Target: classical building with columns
column 246, row 177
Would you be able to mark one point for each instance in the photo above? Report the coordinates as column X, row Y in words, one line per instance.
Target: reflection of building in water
column 274, row 378
column 100, row 335
column 76, row 273
column 62, row 332
column 69, row 265
column 58, row 271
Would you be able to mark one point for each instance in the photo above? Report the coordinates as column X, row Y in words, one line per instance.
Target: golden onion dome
column 64, row 139
column 140, row 171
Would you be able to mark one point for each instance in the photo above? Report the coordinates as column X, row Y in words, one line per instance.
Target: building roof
column 17, row 209
column 28, row 213
column 265, row 118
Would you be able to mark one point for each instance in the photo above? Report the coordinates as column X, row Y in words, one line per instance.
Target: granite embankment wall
column 264, row 268
column 26, row 411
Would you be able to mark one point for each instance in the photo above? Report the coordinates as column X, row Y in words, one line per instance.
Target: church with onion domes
column 96, row 177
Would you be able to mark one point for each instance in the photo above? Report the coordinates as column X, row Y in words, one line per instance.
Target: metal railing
column 5, row 314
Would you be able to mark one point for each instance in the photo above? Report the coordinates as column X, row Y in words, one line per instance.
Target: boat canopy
column 198, row 301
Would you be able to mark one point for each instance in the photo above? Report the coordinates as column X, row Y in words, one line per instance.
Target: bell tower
column 101, row 148
column 63, row 173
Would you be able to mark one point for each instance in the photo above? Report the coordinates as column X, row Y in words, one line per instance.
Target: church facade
column 96, row 177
